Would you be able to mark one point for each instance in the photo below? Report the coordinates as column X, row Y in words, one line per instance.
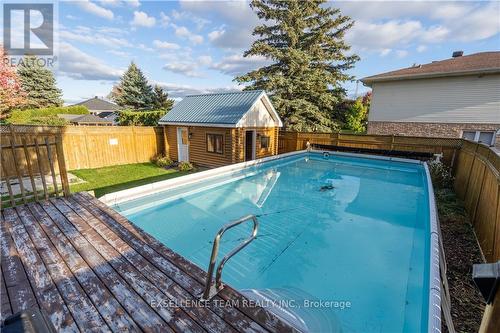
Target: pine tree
column 305, row 43
column 133, row 91
column 39, row 84
column 11, row 94
column 161, row 100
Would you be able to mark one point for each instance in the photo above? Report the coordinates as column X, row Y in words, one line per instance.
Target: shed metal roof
column 221, row 108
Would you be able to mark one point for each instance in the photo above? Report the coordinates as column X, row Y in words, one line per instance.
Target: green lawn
column 120, row 177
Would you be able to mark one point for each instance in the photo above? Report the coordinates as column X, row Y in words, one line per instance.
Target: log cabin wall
column 234, row 141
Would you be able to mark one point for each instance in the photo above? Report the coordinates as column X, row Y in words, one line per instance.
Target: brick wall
column 444, row 130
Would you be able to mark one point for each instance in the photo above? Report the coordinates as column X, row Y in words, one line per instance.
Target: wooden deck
column 90, row 269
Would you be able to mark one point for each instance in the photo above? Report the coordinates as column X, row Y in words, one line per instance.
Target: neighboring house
column 89, row 120
column 456, row 97
column 99, row 106
column 219, row 129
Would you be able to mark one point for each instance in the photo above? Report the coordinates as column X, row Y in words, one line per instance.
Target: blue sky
column 196, row 46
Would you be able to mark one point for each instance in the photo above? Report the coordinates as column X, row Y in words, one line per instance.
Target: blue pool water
column 364, row 242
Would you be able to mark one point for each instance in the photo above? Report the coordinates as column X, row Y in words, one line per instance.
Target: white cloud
column 184, row 16
column 216, row 34
column 435, row 34
column 178, row 91
column 205, row 60
column 184, row 68
column 91, row 7
column 76, row 64
column 118, row 3
column 103, row 36
column 119, row 53
column 401, row 53
column 365, row 35
column 133, row 3
column 165, row 45
column 184, row 32
column 142, row 19
column 382, row 25
column 421, row 48
column 144, row 48
column 164, row 19
column 385, row 52
column 237, row 64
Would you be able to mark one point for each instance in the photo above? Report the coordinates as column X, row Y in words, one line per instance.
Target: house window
column 486, row 137
column 264, row 142
column 215, row 143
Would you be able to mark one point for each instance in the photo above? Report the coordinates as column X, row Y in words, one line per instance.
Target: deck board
column 90, row 269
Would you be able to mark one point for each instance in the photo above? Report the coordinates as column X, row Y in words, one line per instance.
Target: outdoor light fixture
column 190, row 135
column 487, row 279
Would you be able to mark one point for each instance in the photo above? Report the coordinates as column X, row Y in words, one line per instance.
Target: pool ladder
column 211, row 289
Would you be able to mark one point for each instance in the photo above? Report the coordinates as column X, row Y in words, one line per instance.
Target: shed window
column 215, row 143
column 486, row 137
column 264, row 142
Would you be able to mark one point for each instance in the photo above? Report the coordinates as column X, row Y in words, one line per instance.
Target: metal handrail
column 212, row 290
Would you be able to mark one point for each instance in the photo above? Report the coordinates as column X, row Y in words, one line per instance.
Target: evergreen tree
column 305, row 43
column 161, row 100
column 39, row 84
column 133, row 91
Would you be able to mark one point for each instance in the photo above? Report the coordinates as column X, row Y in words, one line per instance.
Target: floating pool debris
column 326, row 188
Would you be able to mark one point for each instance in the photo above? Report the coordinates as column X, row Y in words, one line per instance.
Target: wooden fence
column 33, row 166
column 87, row 147
column 90, row 147
column 477, row 183
column 449, row 147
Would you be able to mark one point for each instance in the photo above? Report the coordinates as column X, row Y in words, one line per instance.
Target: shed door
column 183, row 144
column 249, row 145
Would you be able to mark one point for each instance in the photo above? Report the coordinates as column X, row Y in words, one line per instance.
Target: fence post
column 62, row 165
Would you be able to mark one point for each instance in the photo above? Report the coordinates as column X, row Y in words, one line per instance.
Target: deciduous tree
column 11, row 94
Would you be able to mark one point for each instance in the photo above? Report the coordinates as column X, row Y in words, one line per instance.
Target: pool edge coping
column 152, row 188
column 434, row 294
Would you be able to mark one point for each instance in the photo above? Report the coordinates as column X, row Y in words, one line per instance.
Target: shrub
column 440, row 174
column 162, row 161
column 185, row 166
column 44, row 116
column 140, row 118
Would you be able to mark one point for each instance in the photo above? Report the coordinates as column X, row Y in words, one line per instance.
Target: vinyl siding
column 466, row 99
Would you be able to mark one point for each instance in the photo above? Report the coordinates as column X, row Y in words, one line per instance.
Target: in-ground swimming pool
column 346, row 229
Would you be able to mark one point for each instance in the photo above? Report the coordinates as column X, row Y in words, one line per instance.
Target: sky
column 191, row 47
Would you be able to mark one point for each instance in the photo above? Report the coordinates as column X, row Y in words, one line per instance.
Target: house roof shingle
column 90, row 119
column 222, row 108
column 99, row 104
column 477, row 63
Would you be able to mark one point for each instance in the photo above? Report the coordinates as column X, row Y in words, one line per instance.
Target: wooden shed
column 219, row 129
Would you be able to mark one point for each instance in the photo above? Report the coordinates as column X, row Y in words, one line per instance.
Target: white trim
column 196, row 124
column 367, row 81
column 478, row 133
column 179, row 144
column 274, row 113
